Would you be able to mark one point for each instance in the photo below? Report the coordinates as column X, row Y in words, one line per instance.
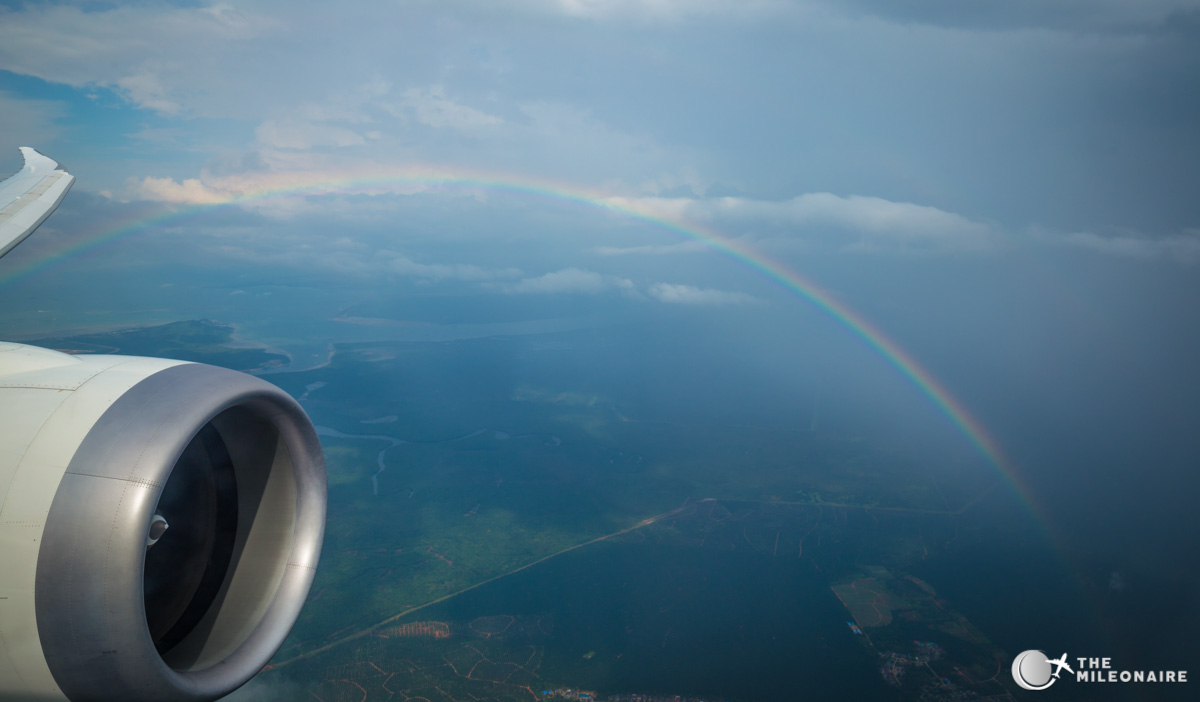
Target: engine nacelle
column 160, row 526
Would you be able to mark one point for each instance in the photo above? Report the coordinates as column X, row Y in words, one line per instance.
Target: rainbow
column 281, row 187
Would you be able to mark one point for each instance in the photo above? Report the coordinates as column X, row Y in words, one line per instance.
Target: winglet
column 29, row 196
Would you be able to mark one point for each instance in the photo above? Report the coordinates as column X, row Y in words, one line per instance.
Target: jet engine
column 160, row 526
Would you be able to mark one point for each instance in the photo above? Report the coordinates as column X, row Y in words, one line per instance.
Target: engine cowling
column 160, row 526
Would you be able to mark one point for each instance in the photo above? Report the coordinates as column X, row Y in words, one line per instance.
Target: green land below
column 500, row 529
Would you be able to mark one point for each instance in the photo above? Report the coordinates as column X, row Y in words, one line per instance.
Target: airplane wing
column 28, row 198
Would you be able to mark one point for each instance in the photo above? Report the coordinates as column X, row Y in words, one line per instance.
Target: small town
column 895, row 664
column 566, row 693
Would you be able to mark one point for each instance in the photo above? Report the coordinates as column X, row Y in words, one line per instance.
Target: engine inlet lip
column 88, row 590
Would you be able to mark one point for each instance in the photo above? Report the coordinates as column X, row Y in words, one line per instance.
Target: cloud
column 439, row 271
column 854, row 223
column 667, row 10
column 317, row 250
column 884, row 217
column 190, row 191
column 210, row 188
column 583, row 282
column 27, row 122
column 384, row 82
column 575, row 104
column 556, row 133
column 1182, row 248
column 654, row 250
column 433, row 108
column 878, row 223
column 1100, row 16
column 151, row 55
column 301, row 134
column 146, row 89
column 690, row 295
column 573, row 281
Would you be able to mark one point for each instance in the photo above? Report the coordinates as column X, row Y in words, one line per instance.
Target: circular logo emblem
column 1031, row 670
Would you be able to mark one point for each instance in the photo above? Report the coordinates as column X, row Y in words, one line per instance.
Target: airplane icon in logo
column 1060, row 663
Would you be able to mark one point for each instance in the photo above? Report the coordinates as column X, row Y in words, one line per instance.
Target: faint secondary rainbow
column 282, row 187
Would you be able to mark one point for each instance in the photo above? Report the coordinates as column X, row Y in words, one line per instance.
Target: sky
column 1005, row 189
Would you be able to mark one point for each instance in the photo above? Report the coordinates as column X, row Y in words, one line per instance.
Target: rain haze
column 894, row 297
